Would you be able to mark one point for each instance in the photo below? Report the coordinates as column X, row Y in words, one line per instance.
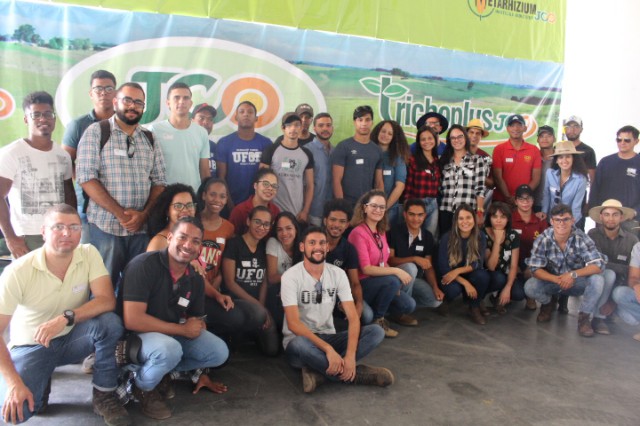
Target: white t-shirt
column 182, row 150
column 274, row 248
column 38, row 182
column 298, row 288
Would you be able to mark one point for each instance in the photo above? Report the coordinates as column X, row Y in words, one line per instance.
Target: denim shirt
column 572, row 193
column 392, row 173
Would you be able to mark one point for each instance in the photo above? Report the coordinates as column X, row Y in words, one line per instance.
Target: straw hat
column 565, row 148
column 627, row 213
column 478, row 124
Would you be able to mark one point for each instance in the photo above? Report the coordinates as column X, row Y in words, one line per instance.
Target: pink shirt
column 368, row 248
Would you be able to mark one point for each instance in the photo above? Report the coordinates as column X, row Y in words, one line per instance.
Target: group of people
column 173, row 248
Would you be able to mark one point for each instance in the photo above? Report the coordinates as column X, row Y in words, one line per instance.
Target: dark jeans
column 499, row 280
column 479, row 278
column 383, row 295
column 253, row 318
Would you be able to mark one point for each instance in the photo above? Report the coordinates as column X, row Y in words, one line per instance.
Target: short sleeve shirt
column 516, row 165
column 250, row 267
column 343, row 256
column 511, row 242
column 213, row 243
column 360, row 162
column 275, row 249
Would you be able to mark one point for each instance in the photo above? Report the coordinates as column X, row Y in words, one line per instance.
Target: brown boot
column 106, row 405
column 311, row 379
column 584, row 325
column 152, row 404
column 545, row 311
column 476, row 316
column 165, row 387
column 600, row 326
column 373, row 376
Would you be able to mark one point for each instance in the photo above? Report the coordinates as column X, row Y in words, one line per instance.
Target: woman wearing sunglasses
column 381, row 283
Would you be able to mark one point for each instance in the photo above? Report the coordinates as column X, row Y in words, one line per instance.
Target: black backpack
column 105, row 135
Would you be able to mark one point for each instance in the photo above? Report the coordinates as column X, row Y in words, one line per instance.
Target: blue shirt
column 572, row 194
column 579, row 252
column 392, row 173
column 212, row 159
column 443, row 255
column 322, row 177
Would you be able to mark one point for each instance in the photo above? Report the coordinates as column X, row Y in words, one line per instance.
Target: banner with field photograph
column 55, row 47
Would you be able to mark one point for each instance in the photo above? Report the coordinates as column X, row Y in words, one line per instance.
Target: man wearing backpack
column 122, row 174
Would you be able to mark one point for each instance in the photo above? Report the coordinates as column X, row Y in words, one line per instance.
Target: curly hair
column 159, row 218
column 359, row 215
column 398, row 148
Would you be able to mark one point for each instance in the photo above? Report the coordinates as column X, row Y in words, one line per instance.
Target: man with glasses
column 44, row 296
column 618, row 175
column 35, row 173
column 184, row 144
column 265, row 185
column 123, row 179
column 564, row 260
column 310, row 290
column 357, row 161
column 102, row 91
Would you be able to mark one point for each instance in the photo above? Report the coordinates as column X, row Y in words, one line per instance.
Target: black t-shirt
column 344, row 255
column 589, row 155
column 398, row 240
column 250, row 267
column 147, row 279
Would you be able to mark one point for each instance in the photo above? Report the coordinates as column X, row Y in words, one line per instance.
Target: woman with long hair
column 566, row 181
column 244, row 269
column 283, row 251
column 423, row 175
column 389, row 136
column 501, row 256
column 460, row 260
column 176, row 201
column 380, row 282
column 463, row 178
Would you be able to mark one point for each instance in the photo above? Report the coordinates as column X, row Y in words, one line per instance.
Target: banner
column 56, row 48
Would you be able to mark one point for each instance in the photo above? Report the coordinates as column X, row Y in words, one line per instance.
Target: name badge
column 285, row 165
column 78, row 288
column 622, row 257
column 419, row 248
column 631, row 171
column 220, row 240
column 519, row 231
column 359, row 161
column 381, row 264
column 427, row 171
column 183, row 302
column 508, row 160
column 120, row 152
column 246, row 264
column 386, row 172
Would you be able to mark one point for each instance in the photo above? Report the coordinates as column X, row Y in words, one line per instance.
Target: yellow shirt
column 33, row 295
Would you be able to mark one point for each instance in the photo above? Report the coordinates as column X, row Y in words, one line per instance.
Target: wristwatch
column 574, row 274
column 70, row 316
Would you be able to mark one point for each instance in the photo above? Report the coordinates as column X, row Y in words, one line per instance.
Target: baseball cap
column 204, row 106
column 516, row 117
column 546, row 129
column 304, row 109
column 290, row 117
column 523, row 190
column 574, row 119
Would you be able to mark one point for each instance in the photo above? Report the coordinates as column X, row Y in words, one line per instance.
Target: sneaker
column 600, row 327
column 388, row 332
column 405, row 319
column 373, row 376
column 106, row 405
column 87, row 364
column 165, row 388
column 152, row 404
column 584, row 325
column 310, row 379
column 531, row 304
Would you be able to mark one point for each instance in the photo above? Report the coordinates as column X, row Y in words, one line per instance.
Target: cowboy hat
column 627, row 213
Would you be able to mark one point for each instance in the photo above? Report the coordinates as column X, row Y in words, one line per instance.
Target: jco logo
column 7, row 104
column 220, row 73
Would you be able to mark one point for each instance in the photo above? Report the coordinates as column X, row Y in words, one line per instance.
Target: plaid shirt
column 127, row 180
column 580, row 251
column 422, row 183
column 464, row 182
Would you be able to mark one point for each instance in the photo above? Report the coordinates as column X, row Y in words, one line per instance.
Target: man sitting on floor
column 628, row 298
column 45, row 296
column 309, row 291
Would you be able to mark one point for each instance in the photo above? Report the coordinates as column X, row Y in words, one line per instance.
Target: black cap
column 290, row 117
column 516, row 117
column 546, row 129
column 443, row 121
column 524, row 190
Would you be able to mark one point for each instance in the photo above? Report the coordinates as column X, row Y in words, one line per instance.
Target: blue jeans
column 431, row 222
column 381, row 293
column 161, row 354
column 499, row 281
column 609, row 282
column 479, row 279
column 418, row 288
column 394, row 215
column 589, row 287
column 628, row 306
column 35, row 363
column 301, row 352
column 117, row 251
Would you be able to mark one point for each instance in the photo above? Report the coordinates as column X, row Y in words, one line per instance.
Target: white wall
column 602, row 69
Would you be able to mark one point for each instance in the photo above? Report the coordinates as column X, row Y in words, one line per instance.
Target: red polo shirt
column 240, row 213
column 528, row 232
column 516, row 165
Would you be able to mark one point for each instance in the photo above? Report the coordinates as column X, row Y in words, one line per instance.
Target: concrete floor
column 448, row 371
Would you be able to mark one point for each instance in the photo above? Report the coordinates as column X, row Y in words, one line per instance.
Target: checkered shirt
column 422, row 183
column 464, row 182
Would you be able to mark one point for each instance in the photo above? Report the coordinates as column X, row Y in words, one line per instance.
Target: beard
column 315, row 261
column 121, row 114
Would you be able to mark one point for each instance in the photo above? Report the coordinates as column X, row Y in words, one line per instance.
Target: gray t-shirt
column 360, row 162
column 298, row 289
column 290, row 166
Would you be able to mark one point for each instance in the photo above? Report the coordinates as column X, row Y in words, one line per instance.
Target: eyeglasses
column 457, row 138
column 318, row 288
column 625, row 140
column 561, row 221
column 260, row 224
column 131, row 146
column 182, row 206
column 58, row 227
column 98, row 90
column 266, row 184
column 130, row 101
column 47, row 115
column 376, row 206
